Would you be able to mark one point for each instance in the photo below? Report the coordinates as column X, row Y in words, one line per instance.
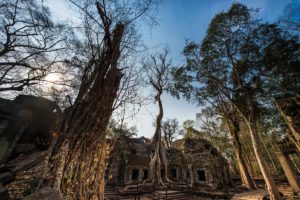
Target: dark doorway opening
column 201, row 175
column 135, row 175
column 145, row 174
column 106, row 175
column 162, row 172
column 133, row 151
column 173, row 173
column 188, row 174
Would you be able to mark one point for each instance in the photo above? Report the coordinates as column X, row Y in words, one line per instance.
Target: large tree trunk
column 269, row 155
column 78, row 156
column 289, row 171
column 232, row 163
column 159, row 156
column 257, row 146
column 295, row 163
column 286, row 107
column 249, row 163
column 246, row 177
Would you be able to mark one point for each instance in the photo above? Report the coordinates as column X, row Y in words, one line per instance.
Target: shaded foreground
column 204, row 193
column 21, row 176
column 28, row 169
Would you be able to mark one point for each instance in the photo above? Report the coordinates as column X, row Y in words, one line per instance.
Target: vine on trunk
column 78, row 156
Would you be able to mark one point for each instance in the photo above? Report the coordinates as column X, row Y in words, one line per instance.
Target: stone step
column 174, row 195
column 110, row 193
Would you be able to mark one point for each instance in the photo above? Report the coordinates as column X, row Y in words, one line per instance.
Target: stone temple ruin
column 193, row 162
column 289, row 108
column 25, row 125
column 195, row 166
column 25, row 135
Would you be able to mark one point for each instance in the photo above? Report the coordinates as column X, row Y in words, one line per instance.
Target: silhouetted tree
column 169, row 130
column 30, row 44
column 158, row 72
column 117, row 130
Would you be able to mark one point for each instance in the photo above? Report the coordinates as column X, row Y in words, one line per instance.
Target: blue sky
column 189, row 19
column 180, row 20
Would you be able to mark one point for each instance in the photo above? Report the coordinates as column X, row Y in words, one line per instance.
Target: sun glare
column 52, row 77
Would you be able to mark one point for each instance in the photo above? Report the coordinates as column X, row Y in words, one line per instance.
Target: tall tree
column 158, row 73
column 169, row 130
column 30, row 44
column 233, row 126
column 189, row 130
column 231, row 120
column 117, row 130
column 239, row 58
column 186, row 83
column 77, row 158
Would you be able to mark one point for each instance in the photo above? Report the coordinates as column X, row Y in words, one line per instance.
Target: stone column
column 184, row 174
column 289, row 171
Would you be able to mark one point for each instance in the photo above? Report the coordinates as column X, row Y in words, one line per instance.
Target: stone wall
column 129, row 163
column 208, row 166
column 25, row 125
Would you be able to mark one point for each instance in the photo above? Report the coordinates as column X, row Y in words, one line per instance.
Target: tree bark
column 78, row 156
column 269, row 155
column 250, row 165
column 288, row 170
column 295, row 163
column 233, row 165
column 246, row 177
column 257, row 146
column 294, row 136
column 159, row 156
